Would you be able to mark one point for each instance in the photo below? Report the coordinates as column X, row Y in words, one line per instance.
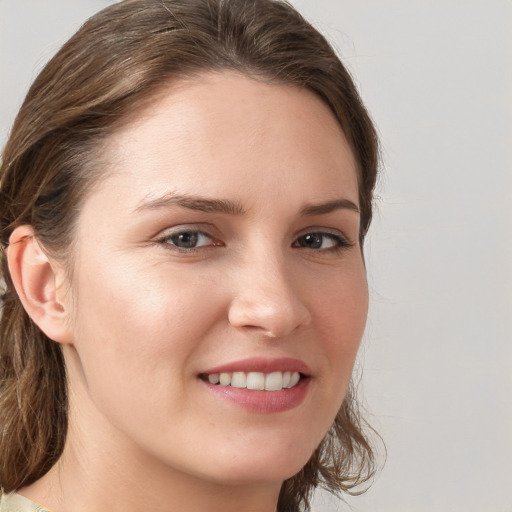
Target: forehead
column 225, row 133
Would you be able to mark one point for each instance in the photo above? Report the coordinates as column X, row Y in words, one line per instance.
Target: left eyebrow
column 329, row 206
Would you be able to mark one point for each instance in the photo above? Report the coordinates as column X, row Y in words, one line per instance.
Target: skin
column 142, row 318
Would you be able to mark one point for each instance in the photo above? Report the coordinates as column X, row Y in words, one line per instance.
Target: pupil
column 313, row 241
column 185, row 240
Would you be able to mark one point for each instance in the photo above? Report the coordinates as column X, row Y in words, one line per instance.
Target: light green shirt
column 14, row 502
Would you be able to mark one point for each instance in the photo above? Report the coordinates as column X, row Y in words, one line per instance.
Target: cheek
column 341, row 318
column 341, row 303
column 151, row 299
column 139, row 323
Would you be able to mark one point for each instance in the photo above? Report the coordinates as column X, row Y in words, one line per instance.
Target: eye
column 189, row 239
column 321, row 241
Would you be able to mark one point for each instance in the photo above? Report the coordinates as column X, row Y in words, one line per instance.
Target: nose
column 266, row 301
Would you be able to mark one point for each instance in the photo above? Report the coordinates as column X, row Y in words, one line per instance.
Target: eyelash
column 340, row 242
column 167, row 241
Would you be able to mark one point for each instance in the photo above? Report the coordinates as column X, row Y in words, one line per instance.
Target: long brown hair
column 118, row 59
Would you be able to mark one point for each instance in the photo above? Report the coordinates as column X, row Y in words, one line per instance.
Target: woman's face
column 223, row 245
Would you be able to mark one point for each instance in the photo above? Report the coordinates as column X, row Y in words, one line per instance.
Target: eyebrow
column 229, row 207
column 198, row 203
column 329, row 206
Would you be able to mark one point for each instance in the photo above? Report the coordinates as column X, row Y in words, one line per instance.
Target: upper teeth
column 274, row 381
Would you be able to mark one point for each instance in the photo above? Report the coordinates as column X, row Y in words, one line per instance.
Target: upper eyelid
column 336, row 232
column 164, row 240
column 205, row 229
column 341, row 239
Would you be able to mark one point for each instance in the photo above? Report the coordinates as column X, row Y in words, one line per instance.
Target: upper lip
column 263, row 365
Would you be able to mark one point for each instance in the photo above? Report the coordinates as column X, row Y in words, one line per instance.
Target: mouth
column 256, row 381
column 260, row 385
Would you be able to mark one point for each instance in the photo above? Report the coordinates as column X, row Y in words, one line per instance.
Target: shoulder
column 14, row 502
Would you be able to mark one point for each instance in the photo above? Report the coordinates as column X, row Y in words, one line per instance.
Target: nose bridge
column 265, row 296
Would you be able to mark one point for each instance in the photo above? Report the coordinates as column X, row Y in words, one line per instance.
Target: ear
column 38, row 284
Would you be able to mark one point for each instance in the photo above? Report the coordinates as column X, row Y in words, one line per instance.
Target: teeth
column 256, row 380
column 275, row 381
column 239, row 380
column 294, row 379
column 214, row 378
column 225, row 379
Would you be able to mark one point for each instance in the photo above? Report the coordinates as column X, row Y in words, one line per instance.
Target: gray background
column 437, row 356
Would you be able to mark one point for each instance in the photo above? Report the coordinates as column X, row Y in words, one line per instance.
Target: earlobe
column 37, row 283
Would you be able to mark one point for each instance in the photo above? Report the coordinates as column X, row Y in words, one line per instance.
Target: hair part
column 118, row 60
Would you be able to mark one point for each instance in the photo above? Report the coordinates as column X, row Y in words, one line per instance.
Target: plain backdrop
column 436, row 76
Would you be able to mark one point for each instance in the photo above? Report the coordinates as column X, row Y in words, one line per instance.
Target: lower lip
column 262, row 402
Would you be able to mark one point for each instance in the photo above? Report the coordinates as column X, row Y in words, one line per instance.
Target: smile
column 260, row 385
column 257, row 381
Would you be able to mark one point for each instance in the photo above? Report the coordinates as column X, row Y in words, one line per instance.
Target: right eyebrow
column 191, row 202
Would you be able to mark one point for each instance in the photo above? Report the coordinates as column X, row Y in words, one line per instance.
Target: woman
column 184, row 198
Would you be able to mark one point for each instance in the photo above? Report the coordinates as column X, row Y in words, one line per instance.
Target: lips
column 260, row 385
column 263, row 365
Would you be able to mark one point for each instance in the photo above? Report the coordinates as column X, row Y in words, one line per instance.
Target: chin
column 265, row 466
column 266, row 475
